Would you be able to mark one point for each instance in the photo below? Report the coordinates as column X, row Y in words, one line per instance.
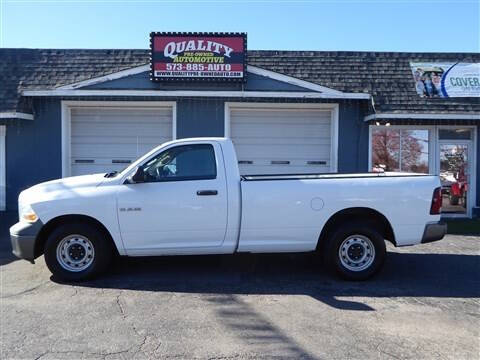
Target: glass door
column 455, row 175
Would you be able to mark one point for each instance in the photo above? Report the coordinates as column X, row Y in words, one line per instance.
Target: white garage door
column 108, row 139
column 282, row 140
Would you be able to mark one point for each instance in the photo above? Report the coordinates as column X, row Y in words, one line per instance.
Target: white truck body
column 284, row 213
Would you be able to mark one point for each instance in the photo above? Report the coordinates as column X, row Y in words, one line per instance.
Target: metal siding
column 2, row 168
column 200, row 117
column 478, row 170
column 352, row 139
column 33, row 149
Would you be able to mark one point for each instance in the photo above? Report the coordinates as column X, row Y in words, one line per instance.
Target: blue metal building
column 71, row 112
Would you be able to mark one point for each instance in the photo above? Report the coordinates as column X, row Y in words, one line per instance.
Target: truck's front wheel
column 77, row 251
column 355, row 251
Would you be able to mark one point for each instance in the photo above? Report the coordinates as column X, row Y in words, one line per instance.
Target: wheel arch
column 357, row 213
column 53, row 223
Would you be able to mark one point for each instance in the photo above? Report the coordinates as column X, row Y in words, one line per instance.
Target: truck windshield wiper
column 111, row 174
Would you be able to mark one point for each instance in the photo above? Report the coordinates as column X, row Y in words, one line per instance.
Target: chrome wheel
column 356, row 253
column 75, row 253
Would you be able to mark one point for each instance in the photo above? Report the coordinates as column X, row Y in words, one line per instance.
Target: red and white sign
column 198, row 56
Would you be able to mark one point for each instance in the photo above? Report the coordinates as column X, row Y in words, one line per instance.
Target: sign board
column 198, row 56
column 446, row 79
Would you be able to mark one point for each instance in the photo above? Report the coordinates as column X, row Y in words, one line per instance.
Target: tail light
column 436, row 201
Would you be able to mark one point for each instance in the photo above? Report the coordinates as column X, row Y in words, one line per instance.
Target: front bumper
column 434, row 232
column 23, row 236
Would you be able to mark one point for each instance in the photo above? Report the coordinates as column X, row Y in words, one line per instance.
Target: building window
column 455, row 134
column 405, row 150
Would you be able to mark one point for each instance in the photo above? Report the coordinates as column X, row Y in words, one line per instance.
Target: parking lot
column 425, row 304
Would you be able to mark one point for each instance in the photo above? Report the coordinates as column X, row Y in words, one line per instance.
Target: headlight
column 26, row 213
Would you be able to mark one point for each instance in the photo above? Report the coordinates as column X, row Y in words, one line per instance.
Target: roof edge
column 424, row 116
column 105, row 78
column 15, row 115
column 194, row 93
column 250, row 68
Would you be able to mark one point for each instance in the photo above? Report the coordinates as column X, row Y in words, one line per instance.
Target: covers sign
column 446, row 79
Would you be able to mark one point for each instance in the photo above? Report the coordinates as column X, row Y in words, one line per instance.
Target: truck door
column 178, row 200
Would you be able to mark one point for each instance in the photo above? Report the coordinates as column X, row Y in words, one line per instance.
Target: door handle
column 207, row 192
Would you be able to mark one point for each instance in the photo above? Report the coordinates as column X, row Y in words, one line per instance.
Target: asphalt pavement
column 425, row 304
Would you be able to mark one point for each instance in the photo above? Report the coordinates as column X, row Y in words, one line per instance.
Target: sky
column 355, row 25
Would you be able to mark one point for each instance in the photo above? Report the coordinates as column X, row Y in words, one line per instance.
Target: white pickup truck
column 187, row 197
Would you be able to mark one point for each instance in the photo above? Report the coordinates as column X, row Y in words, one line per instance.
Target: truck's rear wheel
column 77, row 251
column 355, row 251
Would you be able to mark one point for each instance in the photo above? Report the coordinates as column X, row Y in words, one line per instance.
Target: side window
column 184, row 162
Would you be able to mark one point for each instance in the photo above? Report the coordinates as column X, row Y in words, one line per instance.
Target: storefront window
column 454, row 134
column 454, row 176
column 400, row 150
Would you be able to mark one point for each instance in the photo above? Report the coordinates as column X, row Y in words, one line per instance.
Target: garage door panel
column 278, row 141
column 79, row 169
column 144, row 129
column 282, row 115
column 293, row 119
column 118, row 160
column 106, row 139
column 282, row 140
column 285, row 130
column 79, row 140
column 303, row 161
column 278, row 169
column 89, row 151
column 288, row 151
column 286, row 164
column 122, row 119
column 93, row 113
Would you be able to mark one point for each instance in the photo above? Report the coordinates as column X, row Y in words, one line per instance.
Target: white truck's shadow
column 404, row 275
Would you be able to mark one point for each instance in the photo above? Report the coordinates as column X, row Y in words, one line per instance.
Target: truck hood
column 60, row 188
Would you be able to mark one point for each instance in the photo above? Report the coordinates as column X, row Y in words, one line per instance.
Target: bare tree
column 398, row 149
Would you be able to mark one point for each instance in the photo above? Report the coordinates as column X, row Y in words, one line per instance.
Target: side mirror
column 137, row 177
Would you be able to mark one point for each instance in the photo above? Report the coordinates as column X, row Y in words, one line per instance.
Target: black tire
column 332, row 255
column 102, row 247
